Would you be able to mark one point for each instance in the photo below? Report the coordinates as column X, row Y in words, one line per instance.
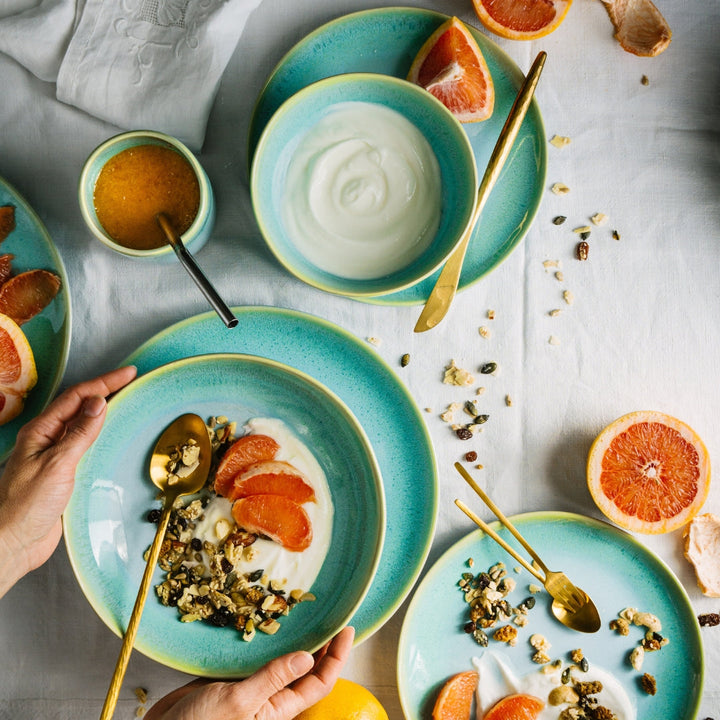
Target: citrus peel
column 18, row 374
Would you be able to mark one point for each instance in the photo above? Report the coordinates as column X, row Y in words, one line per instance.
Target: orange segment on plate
column 25, row 295
column 7, row 221
column 277, row 517
column 526, row 20
column 519, row 706
column 245, row 451
column 272, row 478
column 451, row 67
column 649, row 472
column 18, row 374
column 640, row 27
column 346, row 701
column 455, row 699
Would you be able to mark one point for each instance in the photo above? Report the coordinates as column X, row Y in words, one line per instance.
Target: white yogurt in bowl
column 362, row 196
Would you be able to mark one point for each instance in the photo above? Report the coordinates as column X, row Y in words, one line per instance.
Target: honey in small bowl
column 136, row 185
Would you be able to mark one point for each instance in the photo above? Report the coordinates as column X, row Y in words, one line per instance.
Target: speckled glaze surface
column 196, row 235
column 300, row 113
column 381, row 403
column 386, row 40
column 48, row 332
column 106, row 527
column 613, row 567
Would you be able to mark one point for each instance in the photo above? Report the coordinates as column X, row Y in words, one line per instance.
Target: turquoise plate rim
column 391, row 585
column 418, row 293
column 38, row 241
column 456, row 556
column 98, row 588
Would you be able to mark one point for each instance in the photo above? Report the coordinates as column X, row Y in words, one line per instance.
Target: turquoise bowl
column 107, row 531
column 196, row 235
column 301, row 112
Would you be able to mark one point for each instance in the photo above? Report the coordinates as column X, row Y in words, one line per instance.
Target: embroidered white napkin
column 139, row 64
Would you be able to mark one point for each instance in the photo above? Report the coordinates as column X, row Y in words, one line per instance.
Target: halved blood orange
column 649, row 472
column 455, row 699
column 277, row 517
column 518, row 706
column 7, row 221
column 640, row 27
column 524, row 20
column 25, row 295
column 272, row 477
column 245, row 451
column 451, row 67
column 18, row 373
column 5, row 267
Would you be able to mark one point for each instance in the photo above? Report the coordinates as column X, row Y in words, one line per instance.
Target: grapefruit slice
column 22, row 297
column 525, row 20
column 455, row 699
column 245, row 451
column 518, row 706
column 346, row 701
column 5, row 267
column 451, row 67
column 649, row 472
column 18, row 373
column 277, row 517
column 640, row 27
column 272, row 478
column 7, row 221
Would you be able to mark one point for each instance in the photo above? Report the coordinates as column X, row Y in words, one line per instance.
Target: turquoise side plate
column 107, row 531
column 352, row 370
column 386, row 40
column 49, row 331
column 613, row 567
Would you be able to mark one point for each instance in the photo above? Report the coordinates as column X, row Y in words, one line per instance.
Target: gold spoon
column 188, row 427
column 442, row 294
column 571, row 605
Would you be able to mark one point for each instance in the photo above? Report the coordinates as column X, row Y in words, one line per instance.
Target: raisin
column 196, row 544
column 225, row 565
column 221, row 617
column 709, row 619
column 463, row 433
column 471, row 456
column 154, row 516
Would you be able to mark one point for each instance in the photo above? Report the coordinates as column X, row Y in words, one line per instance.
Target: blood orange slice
column 25, row 295
column 451, row 67
column 519, row 706
column 525, row 20
column 245, row 451
column 5, row 267
column 649, row 472
column 7, row 221
column 277, row 517
column 455, row 699
column 18, row 373
column 272, row 478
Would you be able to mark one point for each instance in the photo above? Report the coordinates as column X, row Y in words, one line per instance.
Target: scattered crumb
column 560, row 189
column 555, row 312
column 550, row 264
column 141, row 694
column 480, row 467
column 484, row 331
column 490, row 314
column 553, row 340
column 616, row 235
column 599, row 219
column 582, row 229
column 568, row 297
column 559, row 276
column 374, row 341
column 559, row 141
column 428, row 409
column 480, row 390
column 455, row 375
column 648, row 684
column 644, row 80
column 508, row 401
column 447, row 415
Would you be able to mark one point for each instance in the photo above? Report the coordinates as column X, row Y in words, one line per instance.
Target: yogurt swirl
column 362, row 192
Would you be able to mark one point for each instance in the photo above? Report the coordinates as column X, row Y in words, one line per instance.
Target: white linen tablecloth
column 643, row 331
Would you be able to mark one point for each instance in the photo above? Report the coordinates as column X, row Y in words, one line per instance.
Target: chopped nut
column 582, row 250
column 559, row 141
column 648, row 684
column 508, row 401
column 599, row 219
column 539, row 642
column 449, row 412
column 559, row 276
column 628, row 613
column 484, row 331
column 647, row 620
column 506, row 634
column 563, row 694
column 457, row 376
column 549, row 264
column 621, row 625
column 555, row 312
column 582, row 229
column 636, row 657
column 560, row 189
column 534, row 589
column 576, row 655
column 490, row 314
column 374, row 341
column 541, row 657
column 568, row 297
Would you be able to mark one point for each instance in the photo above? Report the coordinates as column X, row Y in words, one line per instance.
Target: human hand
column 280, row 690
column 40, row 473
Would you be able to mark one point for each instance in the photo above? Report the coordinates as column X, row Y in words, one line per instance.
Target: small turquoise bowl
column 196, row 235
column 107, row 531
column 301, row 113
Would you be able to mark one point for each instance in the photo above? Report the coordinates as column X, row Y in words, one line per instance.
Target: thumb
column 84, row 428
column 275, row 676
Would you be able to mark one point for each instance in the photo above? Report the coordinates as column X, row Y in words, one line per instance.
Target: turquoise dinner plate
column 352, row 370
column 49, row 331
column 107, row 531
column 613, row 567
column 386, row 41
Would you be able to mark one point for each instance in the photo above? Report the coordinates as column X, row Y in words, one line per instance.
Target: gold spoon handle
column 489, row 531
column 442, row 294
column 132, row 628
column 501, row 517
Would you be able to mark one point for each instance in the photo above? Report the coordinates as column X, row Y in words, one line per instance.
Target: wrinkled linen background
column 643, row 332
